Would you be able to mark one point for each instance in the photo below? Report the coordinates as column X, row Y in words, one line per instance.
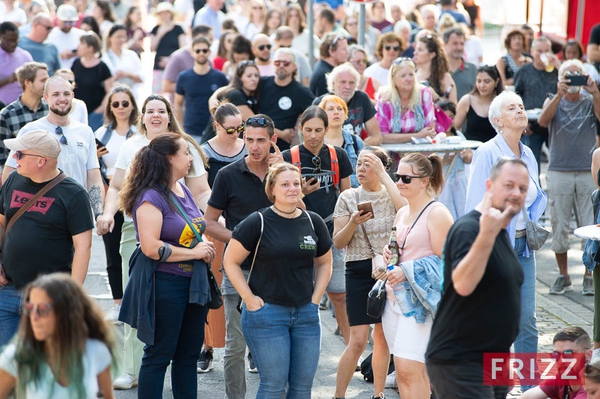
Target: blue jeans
column 527, row 340
column 285, row 343
column 10, row 313
column 178, row 337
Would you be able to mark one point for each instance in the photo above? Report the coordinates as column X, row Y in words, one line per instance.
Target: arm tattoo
column 96, row 199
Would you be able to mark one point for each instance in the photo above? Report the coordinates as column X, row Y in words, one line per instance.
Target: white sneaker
column 113, row 314
column 126, row 381
column 390, row 381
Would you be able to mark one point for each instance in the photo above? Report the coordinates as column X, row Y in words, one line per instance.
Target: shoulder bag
column 378, row 268
column 216, row 299
column 535, row 233
column 52, row 183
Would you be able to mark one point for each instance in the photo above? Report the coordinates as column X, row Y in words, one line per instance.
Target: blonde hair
column 415, row 96
column 275, row 171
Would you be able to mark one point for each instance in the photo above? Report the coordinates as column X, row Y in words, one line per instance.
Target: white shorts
column 405, row 337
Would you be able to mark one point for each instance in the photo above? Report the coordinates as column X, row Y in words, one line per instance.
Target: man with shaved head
column 34, row 43
column 261, row 48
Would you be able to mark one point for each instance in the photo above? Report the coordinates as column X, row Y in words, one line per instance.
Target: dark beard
column 61, row 113
column 264, row 59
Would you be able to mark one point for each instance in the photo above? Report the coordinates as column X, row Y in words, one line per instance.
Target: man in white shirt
column 65, row 36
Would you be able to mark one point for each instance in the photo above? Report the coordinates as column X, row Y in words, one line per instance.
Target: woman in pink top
column 420, row 180
column 405, row 108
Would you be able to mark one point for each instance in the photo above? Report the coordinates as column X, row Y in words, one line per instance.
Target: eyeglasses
column 360, row 62
column 557, row 354
column 389, row 47
column 259, row 122
column 282, row 63
column 20, row 155
column 264, row 46
column 400, row 60
column 572, row 73
column 202, row 50
column 48, row 28
column 406, row 179
column 59, row 132
column 42, row 309
column 231, row 130
column 124, row 104
column 317, row 164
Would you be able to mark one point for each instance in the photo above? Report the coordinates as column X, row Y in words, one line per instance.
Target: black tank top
column 478, row 128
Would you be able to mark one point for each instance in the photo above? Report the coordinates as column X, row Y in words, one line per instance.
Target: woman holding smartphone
column 364, row 233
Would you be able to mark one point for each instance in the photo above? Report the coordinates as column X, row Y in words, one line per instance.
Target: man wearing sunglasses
column 261, row 48
column 239, row 190
column 193, row 89
column 567, row 342
column 35, row 43
column 53, row 235
column 78, row 158
column 283, row 98
column 333, row 51
column 65, row 36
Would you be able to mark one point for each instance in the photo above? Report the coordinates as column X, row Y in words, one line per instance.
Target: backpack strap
column 335, row 166
column 295, row 152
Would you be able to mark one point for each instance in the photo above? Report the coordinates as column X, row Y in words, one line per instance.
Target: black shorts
column 358, row 284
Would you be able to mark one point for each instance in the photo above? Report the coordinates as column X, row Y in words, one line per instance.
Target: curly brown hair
column 439, row 64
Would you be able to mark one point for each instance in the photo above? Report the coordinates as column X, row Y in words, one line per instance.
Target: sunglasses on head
column 20, row 155
column 59, row 132
column 231, row 130
column 124, row 104
column 202, row 50
column 258, row 122
column 335, row 40
column 400, row 60
column 317, row 164
column 246, row 62
column 42, row 309
column 282, row 63
column 264, row 46
column 406, row 179
column 389, row 47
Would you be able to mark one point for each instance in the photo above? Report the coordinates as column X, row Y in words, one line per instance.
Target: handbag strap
column 262, row 227
column 415, row 222
column 185, row 217
column 363, row 225
column 62, row 176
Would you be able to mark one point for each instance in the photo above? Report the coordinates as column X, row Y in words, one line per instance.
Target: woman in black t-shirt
column 243, row 89
column 92, row 78
column 165, row 38
column 280, row 315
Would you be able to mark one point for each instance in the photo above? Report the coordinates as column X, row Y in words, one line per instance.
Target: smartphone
column 99, row 143
column 577, row 80
column 314, row 180
column 365, row 207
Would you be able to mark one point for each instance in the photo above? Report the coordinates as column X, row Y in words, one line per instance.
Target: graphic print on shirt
column 308, row 243
column 42, row 205
column 188, row 238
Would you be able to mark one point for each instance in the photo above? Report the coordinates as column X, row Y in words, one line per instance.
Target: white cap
column 67, row 12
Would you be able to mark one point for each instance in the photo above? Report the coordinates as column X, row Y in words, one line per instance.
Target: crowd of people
column 239, row 181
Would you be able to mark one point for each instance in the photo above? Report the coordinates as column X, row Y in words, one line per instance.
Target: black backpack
column 367, row 370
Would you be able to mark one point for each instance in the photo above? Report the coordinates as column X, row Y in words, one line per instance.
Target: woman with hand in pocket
column 350, row 226
column 291, row 267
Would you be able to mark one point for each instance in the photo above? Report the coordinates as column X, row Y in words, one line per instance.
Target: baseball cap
column 67, row 12
column 164, row 6
column 40, row 141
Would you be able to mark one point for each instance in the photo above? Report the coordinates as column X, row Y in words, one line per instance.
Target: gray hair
column 345, row 67
column 283, row 50
column 567, row 64
column 402, row 24
column 356, row 47
column 541, row 39
column 496, row 106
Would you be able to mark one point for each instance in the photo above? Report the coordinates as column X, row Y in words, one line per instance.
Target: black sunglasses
column 19, row 155
column 263, row 46
column 124, row 104
column 388, row 47
column 62, row 139
column 259, row 122
column 202, row 50
column 231, row 130
column 317, row 164
column 406, row 179
column 42, row 309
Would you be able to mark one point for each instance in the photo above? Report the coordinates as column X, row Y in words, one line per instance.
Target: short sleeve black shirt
column 318, row 80
column 41, row 242
column 283, row 270
column 595, row 35
column 89, row 83
column 238, row 97
column 167, row 45
column 488, row 319
column 324, row 199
